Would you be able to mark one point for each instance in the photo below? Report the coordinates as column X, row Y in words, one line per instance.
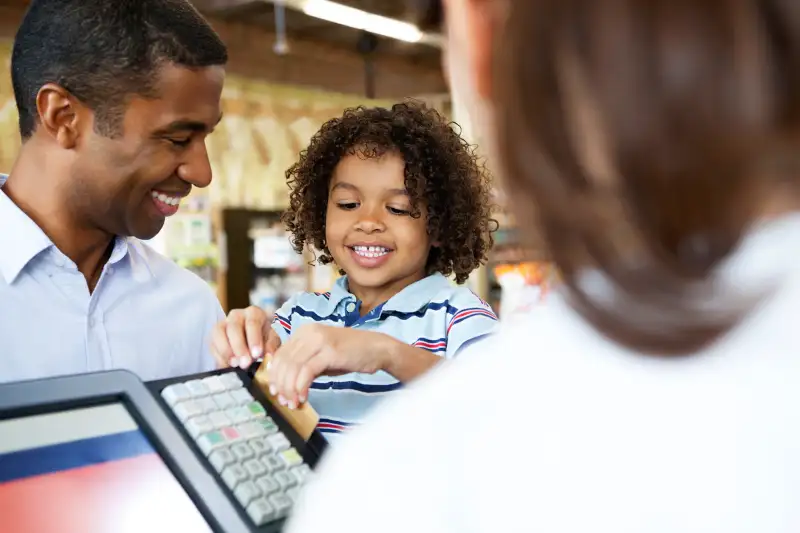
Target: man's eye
column 347, row 206
column 183, row 143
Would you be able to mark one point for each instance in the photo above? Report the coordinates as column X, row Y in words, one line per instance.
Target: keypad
column 242, row 443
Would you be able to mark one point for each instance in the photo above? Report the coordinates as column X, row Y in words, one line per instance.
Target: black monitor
column 97, row 453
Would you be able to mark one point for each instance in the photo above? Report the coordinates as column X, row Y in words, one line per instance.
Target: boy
column 397, row 201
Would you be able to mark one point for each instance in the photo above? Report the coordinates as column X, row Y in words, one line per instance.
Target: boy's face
column 129, row 184
column 369, row 230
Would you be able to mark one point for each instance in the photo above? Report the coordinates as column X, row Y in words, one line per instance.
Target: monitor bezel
column 52, row 395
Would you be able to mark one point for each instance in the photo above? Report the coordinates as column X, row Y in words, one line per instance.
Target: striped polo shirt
column 431, row 314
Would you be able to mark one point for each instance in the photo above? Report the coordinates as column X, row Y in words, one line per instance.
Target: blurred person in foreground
column 658, row 141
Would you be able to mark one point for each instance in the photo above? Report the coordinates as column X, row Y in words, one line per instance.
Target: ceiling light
column 362, row 20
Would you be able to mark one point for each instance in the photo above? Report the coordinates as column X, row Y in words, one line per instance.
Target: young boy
column 397, row 201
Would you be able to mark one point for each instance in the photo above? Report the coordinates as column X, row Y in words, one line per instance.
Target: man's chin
column 145, row 233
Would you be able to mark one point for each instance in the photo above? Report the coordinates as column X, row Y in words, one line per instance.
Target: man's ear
column 61, row 115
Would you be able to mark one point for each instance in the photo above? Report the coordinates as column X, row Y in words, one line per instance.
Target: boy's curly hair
column 442, row 172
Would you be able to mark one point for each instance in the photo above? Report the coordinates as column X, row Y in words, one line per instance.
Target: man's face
column 129, row 184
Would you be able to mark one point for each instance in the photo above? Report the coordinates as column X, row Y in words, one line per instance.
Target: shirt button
column 109, row 270
column 351, row 307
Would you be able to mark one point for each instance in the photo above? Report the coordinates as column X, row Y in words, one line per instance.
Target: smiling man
column 115, row 102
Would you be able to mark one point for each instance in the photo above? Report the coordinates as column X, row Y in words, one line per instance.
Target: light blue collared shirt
column 430, row 314
column 146, row 315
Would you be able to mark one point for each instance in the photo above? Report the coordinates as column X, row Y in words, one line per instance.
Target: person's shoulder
column 169, row 275
column 309, row 300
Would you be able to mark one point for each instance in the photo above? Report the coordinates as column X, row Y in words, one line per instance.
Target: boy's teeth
column 169, row 200
column 370, row 251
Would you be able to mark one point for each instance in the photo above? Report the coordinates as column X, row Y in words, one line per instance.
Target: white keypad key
column 230, row 380
column 233, row 475
column 246, row 492
column 221, row 458
column 300, row 473
column 214, row 384
column 281, row 503
column 279, row 442
column 254, row 468
column 242, row 451
column 207, row 404
column 199, row 425
column 219, row 419
column 285, row 480
column 260, row 446
column 251, row 430
column 238, row 414
column 267, row 485
column 241, row 396
column 188, row 409
column 224, row 400
column 261, row 512
column 272, row 463
column 175, row 393
column 197, row 388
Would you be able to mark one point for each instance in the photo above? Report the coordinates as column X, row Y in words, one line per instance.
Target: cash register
column 107, row 452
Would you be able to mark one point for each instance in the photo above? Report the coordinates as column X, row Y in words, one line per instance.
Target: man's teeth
column 370, row 251
column 169, row 200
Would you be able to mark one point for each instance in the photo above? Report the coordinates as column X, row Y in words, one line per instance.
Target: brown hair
column 694, row 111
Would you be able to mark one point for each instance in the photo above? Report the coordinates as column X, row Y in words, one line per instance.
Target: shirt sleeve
column 472, row 320
column 282, row 321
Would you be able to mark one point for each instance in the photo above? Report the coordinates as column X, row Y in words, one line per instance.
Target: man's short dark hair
column 104, row 51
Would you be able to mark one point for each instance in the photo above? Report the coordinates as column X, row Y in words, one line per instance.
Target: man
column 115, row 101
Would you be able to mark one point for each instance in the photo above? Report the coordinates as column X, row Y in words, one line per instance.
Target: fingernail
column 273, row 390
column 292, row 405
column 282, row 400
column 244, row 362
column 302, row 399
column 256, row 352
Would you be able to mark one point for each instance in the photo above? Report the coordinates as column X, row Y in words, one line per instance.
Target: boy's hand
column 316, row 350
column 244, row 336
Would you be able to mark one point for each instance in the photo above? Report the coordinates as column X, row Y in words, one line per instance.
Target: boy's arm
column 403, row 361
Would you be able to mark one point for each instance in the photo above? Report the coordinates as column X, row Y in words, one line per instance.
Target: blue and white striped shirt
column 431, row 314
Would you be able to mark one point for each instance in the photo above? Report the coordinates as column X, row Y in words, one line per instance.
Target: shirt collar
column 27, row 240
column 410, row 299
column 20, row 238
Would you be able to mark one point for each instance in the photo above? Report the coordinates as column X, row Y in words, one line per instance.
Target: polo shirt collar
column 411, row 299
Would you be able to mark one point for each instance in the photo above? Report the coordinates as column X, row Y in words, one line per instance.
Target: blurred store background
column 295, row 64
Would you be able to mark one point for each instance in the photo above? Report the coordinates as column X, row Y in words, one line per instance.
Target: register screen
column 88, row 470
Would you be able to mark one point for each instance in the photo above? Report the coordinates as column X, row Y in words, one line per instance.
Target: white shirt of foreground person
column 550, row 428
column 146, row 314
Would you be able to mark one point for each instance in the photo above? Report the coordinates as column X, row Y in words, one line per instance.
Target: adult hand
column 243, row 337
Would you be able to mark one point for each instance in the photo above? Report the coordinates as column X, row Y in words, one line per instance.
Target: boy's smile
column 370, row 230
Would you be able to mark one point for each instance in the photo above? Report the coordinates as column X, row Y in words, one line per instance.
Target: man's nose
column 196, row 169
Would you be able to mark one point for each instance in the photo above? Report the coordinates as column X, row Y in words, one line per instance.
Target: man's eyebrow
column 180, row 126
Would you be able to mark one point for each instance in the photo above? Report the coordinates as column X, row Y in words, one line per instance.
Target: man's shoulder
column 169, row 275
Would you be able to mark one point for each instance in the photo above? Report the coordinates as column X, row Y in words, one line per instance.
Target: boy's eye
column 398, row 211
column 347, row 206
